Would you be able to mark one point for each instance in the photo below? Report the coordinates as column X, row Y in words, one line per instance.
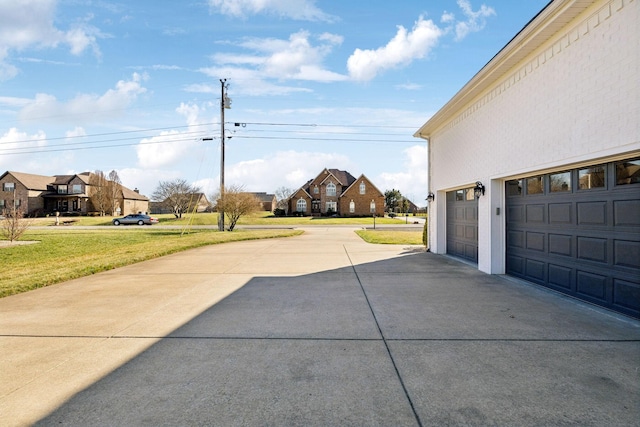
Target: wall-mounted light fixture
column 478, row 190
column 431, row 197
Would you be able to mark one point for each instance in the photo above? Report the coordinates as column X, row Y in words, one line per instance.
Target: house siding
column 572, row 101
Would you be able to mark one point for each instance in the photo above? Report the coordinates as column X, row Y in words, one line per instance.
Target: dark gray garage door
column 462, row 224
column 578, row 232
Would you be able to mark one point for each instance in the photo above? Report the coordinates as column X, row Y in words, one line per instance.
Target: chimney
column 136, row 190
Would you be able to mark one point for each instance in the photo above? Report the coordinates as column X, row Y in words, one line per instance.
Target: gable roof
column 357, row 181
column 31, row 181
column 264, row 197
column 344, row 178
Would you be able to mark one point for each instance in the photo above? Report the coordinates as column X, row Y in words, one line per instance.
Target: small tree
column 14, row 224
column 282, row 194
column 237, row 204
column 392, row 199
column 99, row 192
column 113, row 191
column 177, row 195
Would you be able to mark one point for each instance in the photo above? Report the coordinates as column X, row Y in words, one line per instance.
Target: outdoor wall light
column 431, row 197
column 478, row 190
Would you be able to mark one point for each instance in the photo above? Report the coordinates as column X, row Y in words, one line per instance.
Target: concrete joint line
column 384, row 340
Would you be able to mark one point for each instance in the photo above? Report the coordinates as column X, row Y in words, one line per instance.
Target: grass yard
column 391, row 237
column 65, row 253
column 260, row 218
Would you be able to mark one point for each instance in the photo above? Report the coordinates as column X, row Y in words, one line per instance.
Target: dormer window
column 363, row 188
column 331, row 189
column 77, row 189
column 62, row 189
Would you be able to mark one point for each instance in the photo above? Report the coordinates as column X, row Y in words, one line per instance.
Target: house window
column 331, row 189
column 372, row 206
column 8, row 186
column 62, row 189
column 352, row 207
column 332, row 207
column 2, row 204
column 77, row 189
column 316, row 190
column 17, row 203
column 362, row 188
column 301, row 206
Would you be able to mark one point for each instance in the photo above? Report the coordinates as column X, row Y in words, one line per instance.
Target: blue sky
column 135, row 86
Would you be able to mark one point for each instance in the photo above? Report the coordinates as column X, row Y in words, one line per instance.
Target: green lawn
column 64, row 253
column 68, row 252
column 391, row 237
column 261, row 218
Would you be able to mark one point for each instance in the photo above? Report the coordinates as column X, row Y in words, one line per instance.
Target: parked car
column 139, row 219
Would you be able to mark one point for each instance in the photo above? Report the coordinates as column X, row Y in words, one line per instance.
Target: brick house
column 337, row 192
column 196, row 201
column 39, row 195
column 268, row 202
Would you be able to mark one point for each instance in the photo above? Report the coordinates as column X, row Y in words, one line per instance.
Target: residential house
column 337, row 192
column 196, row 201
column 534, row 165
column 268, row 202
column 39, row 195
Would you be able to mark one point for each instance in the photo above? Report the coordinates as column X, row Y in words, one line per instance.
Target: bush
column 279, row 212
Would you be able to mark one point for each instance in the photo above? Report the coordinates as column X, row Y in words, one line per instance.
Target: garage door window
column 514, row 188
column 560, row 182
column 534, row 185
column 628, row 172
column 593, row 177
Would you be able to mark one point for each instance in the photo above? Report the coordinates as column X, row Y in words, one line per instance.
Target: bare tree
column 238, row 203
column 282, row 194
column 114, row 191
column 14, row 224
column 178, row 195
column 99, row 192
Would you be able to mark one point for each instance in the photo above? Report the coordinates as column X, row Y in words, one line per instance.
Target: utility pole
column 225, row 102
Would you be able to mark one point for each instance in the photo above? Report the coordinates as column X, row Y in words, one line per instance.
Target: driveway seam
column 384, row 340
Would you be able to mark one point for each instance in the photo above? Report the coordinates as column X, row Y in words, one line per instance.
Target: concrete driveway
column 321, row 329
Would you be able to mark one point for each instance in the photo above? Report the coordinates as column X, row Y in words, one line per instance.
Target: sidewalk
column 321, row 329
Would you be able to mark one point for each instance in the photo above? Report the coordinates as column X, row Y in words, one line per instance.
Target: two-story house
column 38, row 195
column 337, row 192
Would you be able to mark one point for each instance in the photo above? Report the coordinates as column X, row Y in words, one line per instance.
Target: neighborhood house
column 38, row 195
column 337, row 192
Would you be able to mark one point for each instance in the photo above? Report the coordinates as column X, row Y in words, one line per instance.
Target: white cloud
column 30, row 24
column 76, row 132
column 170, row 146
column 475, row 20
column 294, row 169
column 88, row 106
column 15, row 146
column 303, row 10
column 297, row 58
column 412, row 181
column 401, row 50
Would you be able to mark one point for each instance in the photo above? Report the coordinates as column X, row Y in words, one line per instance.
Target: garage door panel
column 535, row 214
column 560, row 276
column 626, row 294
column 534, row 270
column 626, row 254
column 535, row 241
column 626, row 213
column 592, row 285
column 592, row 249
column 560, row 213
column 560, row 244
column 592, row 213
